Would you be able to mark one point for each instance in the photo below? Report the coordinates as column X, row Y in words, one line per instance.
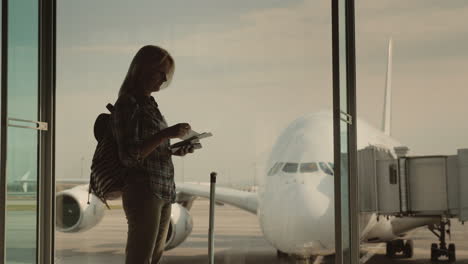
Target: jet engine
column 74, row 214
column 180, row 226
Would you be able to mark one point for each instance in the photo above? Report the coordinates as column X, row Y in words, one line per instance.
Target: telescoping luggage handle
column 212, row 209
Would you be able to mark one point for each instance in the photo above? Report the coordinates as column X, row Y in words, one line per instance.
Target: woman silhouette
column 143, row 136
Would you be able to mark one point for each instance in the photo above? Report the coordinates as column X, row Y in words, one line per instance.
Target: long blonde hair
column 147, row 55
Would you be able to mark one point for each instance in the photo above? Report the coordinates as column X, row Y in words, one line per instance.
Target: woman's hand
column 177, row 131
column 184, row 150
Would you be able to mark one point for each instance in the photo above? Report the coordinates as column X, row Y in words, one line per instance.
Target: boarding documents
column 191, row 139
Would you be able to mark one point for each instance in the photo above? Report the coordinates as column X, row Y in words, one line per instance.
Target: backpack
column 107, row 172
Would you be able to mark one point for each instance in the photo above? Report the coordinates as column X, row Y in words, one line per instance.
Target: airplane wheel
column 281, row 254
column 434, row 252
column 408, row 249
column 451, row 253
column 390, row 250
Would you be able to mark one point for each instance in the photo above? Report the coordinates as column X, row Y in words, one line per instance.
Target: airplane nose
column 300, row 218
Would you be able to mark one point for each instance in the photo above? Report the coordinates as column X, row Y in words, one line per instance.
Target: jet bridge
column 415, row 186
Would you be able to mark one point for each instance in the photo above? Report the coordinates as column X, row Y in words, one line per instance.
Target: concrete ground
column 238, row 240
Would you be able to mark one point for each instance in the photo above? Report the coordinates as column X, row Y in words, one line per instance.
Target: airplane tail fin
column 24, row 179
column 25, row 176
column 387, row 111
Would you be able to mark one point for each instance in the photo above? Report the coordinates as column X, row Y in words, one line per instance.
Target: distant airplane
column 23, row 185
column 28, row 185
column 295, row 200
column 24, row 181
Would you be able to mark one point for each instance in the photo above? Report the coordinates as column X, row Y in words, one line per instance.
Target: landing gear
column 451, row 253
column 399, row 245
column 437, row 251
column 390, row 249
column 281, row 254
column 434, row 253
column 408, row 249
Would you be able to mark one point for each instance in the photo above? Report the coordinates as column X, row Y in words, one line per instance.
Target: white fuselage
column 296, row 199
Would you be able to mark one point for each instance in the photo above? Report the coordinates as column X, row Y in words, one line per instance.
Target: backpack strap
column 89, row 191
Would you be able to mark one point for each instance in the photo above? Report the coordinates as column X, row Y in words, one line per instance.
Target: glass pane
column 418, row 61
column 257, row 74
column 22, row 145
column 21, row 203
column 23, row 59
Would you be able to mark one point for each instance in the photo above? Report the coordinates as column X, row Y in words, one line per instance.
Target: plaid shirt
column 133, row 121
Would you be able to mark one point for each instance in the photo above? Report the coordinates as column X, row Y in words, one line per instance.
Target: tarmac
column 238, row 239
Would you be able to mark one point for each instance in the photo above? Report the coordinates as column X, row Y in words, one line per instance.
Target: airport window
column 233, row 62
column 227, row 52
column 290, row 167
column 309, row 167
column 22, row 149
column 325, row 168
column 404, row 66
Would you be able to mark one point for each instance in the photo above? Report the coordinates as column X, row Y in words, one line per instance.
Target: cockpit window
column 332, row 166
column 309, row 167
column 325, row 168
column 290, row 167
column 275, row 168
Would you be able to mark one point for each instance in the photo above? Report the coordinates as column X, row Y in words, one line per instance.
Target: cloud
column 269, row 35
column 422, row 30
column 115, row 49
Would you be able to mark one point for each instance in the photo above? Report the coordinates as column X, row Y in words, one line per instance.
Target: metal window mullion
column 46, row 227
column 336, row 129
column 3, row 128
column 350, row 119
column 352, row 134
column 39, row 145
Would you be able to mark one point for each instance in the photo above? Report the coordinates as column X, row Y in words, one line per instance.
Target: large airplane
column 294, row 203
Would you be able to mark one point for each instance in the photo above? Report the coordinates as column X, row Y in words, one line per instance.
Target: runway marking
column 371, row 253
column 318, row 260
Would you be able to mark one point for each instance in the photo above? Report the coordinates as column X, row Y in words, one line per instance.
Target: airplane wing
column 59, row 181
column 244, row 200
column 78, row 181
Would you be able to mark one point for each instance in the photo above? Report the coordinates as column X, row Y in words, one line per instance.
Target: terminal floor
column 238, row 240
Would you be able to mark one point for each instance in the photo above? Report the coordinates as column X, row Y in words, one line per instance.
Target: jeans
column 148, row 220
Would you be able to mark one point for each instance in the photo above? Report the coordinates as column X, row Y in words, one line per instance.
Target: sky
column 246, row 69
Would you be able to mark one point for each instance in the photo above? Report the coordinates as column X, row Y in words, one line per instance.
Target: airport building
column 337, row 129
